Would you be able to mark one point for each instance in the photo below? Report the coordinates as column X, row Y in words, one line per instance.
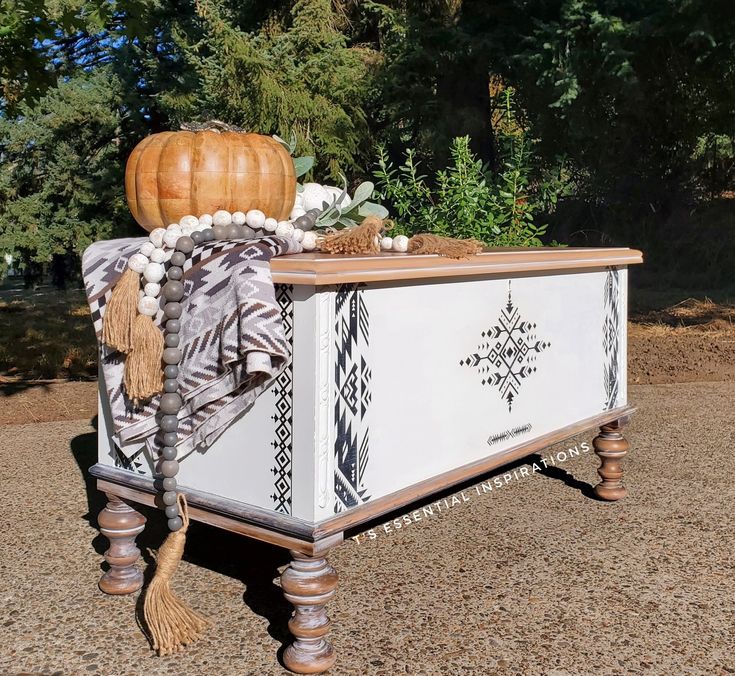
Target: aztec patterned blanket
column 232, row 336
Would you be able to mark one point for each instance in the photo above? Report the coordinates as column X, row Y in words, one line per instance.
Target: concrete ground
column 532, row 578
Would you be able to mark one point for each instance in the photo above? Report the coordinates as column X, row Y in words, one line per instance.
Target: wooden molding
column 317, row 269
column 311, row 538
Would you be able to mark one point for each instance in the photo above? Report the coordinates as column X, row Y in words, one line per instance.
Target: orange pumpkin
column 175, row 173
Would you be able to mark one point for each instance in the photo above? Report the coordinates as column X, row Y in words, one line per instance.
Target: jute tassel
column 444, row 246
column 362, row 239
column 143, row 372
column 171, row 623
column 117, row 326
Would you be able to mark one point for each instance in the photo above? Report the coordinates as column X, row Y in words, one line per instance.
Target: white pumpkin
column 314, row 196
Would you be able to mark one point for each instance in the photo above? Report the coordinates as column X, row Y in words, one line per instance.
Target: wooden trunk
column 409, row 374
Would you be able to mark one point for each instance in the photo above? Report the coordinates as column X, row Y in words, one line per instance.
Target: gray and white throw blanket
column 232, row 336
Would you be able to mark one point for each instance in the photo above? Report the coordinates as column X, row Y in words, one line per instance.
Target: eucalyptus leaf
column 285, row 144
column 302, row 164
column 363, row 192
column 372, row 209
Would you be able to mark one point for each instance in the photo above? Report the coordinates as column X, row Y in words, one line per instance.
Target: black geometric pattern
column 283, row 417
column 611, row 330
column 507, row 354
column 133, row 463
column 352, row 378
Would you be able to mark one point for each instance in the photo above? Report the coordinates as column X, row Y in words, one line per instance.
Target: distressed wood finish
column 611, row 447
column 309, row 583
column 320, row 269
column 172, row 174
column 121, row 524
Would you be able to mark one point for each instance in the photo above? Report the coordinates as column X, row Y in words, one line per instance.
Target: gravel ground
column 533, row 578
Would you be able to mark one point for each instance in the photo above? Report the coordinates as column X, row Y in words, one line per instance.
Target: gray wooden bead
column 169, row 484
column 175, row 524
column 172, row 309
column 173, row 326
column 171, row 340
column 170, row 385
column 208, row 234
column 175, row 273
column 185, row 244
column 170, row 404
column 173, row 290
column 233, row 231
column 247, row 232
column 169, row 468
column 220, row 231
column 172, row 511
column 197, row 237
column 171, row 355
column 169, row 498
column 170, row 439
column 178, row 259
column 171, row 371
column 169, row 423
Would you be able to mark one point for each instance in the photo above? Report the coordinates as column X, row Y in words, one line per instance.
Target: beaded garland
column 174, row 244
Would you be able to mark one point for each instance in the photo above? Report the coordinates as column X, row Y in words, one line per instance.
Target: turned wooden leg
column 308, row 583
column 611, row 446
column 121, row 524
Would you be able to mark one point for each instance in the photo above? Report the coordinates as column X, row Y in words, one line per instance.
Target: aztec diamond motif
column 352, row 397
column 611, row 329
column 134, row 463
column 283, row 417
column 507, row 354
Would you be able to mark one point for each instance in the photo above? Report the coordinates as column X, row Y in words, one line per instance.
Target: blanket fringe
column 171, row 623
column 362, row 239
column 426, row 243
column 121, row 310
column 143, row 373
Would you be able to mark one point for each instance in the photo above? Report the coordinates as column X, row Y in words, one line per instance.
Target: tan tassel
column 143, row 371
column 362, row 239
column 121, row 310
column 444, row 246
column 171, row 623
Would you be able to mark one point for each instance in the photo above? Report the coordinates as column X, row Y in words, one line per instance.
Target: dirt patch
column 692, row 340
column 46, row 401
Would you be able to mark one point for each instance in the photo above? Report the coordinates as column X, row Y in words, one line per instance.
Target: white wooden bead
column 167, row 253
column 296, row 212
column 137, row 262
column 154, row 272
column 187, row 229
column 205, row 220
column 156, row 236
column 147, row 249
column 171, row 237
column 284, row 229
column 188, row 221
column 158, row 256
column 148, row 306
column 309, row 241
column 298, row 234
column 386, row 244
column 238, row 218
column 270, row 224
column 400, row 243
column 222, row 217
column 173, row 227
column 152, row 289
column 255, row 218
